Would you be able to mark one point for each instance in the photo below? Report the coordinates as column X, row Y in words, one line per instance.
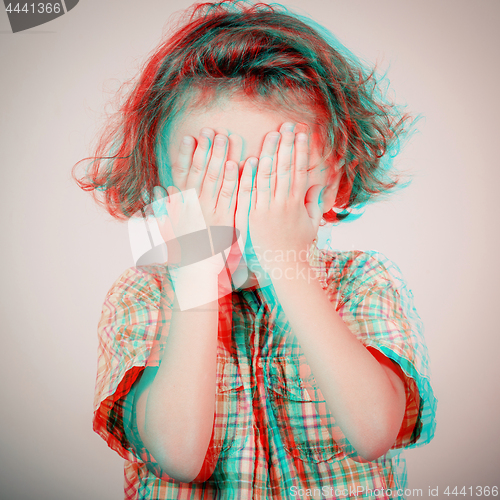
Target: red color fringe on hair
column 272, row 56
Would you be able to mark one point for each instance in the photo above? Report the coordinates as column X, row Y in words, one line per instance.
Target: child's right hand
column 204, row 192
column 206, row 165
column 210, row 166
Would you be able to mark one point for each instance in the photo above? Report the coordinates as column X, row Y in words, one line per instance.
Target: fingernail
column 186, row 140
column 253, row 162
column 274, row 138
column 220, row 141
column 288, row 127
column 302, row 137
column 204, row 138
column 205, row 134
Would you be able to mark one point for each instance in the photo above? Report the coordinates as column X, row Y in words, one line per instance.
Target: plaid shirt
column 273, row 435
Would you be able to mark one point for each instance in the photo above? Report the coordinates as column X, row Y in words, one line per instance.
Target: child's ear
column 329, row 192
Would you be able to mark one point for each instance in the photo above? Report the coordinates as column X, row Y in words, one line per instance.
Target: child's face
column 242, row 117
column 251, row 123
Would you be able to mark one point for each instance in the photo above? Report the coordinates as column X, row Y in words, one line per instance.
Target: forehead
column 236, row 115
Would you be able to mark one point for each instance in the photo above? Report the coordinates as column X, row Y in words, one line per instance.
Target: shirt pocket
column 229, row 396
column 306, row 426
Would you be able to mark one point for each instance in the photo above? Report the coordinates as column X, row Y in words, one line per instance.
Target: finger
column 246, row 187
column 235, row 145
column 226, row 202
column 200, row 160
column 301, row 165
column 313, row 204
column 266, row 174
column 215, row 172
column 287, row 127
column 180, row 170
column 284, row 162
column 263, row 195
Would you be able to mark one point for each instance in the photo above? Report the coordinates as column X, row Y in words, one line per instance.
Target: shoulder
column 355, row 268
column 134, row 299
column 355, row 277
column 144, row 283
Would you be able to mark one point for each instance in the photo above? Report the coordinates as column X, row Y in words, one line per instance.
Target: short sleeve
column 127, row 331
column 375, row 303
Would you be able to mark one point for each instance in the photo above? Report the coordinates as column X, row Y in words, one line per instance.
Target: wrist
column 286, row 274
column 270, row 259
column 197, row 284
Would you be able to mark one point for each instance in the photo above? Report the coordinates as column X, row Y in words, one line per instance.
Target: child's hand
column 210, row 166
column 282, row 214
column 204, row 193
column 203, row 190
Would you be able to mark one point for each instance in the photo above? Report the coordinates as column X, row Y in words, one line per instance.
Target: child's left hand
column 282, row 214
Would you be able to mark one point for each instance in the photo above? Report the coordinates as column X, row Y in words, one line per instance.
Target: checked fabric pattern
column 272, row 429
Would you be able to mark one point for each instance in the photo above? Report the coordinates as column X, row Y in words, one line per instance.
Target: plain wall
column 60, row 253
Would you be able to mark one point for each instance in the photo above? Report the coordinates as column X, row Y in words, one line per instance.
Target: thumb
column 313, row 203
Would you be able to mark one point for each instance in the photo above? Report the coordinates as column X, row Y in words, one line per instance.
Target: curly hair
column 266, row 52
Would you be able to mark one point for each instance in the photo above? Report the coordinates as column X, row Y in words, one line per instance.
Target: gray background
column 60, row 253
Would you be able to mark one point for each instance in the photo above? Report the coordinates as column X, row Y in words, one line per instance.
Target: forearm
column 175, row 414
column 175, row 418
column 366, row 399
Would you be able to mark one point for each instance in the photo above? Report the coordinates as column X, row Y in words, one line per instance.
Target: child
column 273, row 369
